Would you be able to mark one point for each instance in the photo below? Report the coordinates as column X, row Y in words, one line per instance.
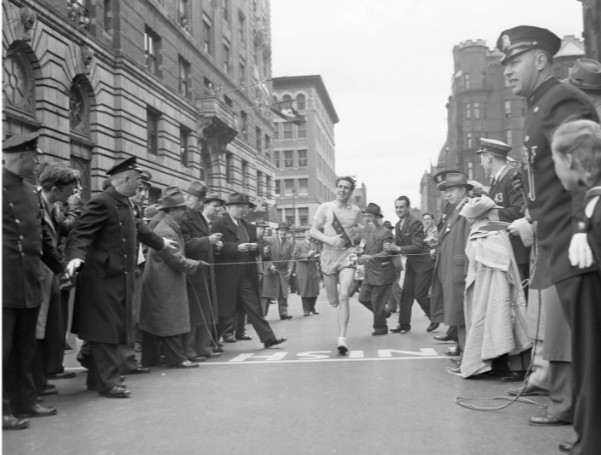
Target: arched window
column 300, row 102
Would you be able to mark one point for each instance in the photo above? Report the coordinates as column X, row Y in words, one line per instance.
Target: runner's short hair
column 351, row 180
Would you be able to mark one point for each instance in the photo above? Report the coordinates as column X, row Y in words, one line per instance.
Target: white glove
column 524, row 229
column 73, row 266
column 171, row 244
column 580, row 253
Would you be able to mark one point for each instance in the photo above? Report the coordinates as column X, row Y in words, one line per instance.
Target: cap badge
column 505, row 41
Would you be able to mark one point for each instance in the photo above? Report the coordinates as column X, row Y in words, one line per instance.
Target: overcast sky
column 387, row 66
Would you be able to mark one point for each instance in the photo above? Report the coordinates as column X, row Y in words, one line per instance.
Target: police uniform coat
column 165, row 311
column 307, row 271
column 450, row 270
column 25, row 240
column 230, row 263
column 555, row 209
column 105, row 239
column 276, row 283
column 504, row 193
column 201, row 286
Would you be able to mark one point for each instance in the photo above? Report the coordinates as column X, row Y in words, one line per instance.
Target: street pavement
column 390, row 395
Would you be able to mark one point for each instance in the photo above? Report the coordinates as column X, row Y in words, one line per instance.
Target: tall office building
column 303, row 147
column 180, row 84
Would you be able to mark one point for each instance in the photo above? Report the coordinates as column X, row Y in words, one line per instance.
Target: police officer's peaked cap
column 523, row 38
column 22, row 143
column 125, row 165
column 493, row 146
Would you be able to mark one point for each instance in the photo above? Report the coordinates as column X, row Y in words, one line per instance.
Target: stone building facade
column 180, row 84
column 482, row 105
column 303, row 154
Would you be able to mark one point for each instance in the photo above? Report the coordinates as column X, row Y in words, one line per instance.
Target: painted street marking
column 328, row 356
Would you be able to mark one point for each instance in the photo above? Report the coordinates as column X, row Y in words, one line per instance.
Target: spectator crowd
column 511, row 268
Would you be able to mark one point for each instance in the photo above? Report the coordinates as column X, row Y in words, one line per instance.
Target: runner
column 336, row 226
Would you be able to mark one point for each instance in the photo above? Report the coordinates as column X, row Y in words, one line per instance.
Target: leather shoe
column 243, row 337
column 48, row 389
column 444, row 337
column 116, row 392
column 198, row 358
column 37, row 410
column 63, row 375
column 286, row 316
column 218, row 350
column 185, row 364
column 229, row 339
column 273, row 341
column 140, row 370
column 546, row 419
column 10, row 422
column 529, row 391
column 379, row 332
column 401, row 329
column 433, row 326
column 206, row 356
column 315, row 312
column 566, row 446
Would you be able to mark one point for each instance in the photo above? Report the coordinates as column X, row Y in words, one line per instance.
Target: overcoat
column 201, row 286
column 307, row 271
column 164, row 311
column 25, row 241
column 450, row 270
column 105, row 239
column 230, row 263
column 380, row 271
column 276, row 283
column 556, row 210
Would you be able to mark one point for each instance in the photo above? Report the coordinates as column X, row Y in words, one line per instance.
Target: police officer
column 528, row 56
column 24, row 242
column 105, row 241
column 505, row 190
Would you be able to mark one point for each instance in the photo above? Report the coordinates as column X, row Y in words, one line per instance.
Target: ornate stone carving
column 28, row 18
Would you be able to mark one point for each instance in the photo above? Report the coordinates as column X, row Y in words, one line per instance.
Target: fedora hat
column 453, row 179
column 212, row 197
column 150, row 212
column 239, row 199
column 172, row 198
column 283, row 226
column 586, row 74
column 374, row 209
column 198, row 189
column 260, row 222
column 388, row 225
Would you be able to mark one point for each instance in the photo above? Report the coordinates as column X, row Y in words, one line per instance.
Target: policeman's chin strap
column 465, row 401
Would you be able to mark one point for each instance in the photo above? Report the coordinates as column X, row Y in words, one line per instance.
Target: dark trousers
column 250, row 301
column 53, row 346
column 198, row 341
column 394, row 301
column 18, row 351
column 583, row 295
column 105, row 366
column 374, row 298
column 309, row 304
column 172, row 347
column 415, row 287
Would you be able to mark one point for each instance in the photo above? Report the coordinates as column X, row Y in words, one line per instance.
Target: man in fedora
column 25, row 244
column 277, row 270
column 379, row 268
column 527, row 57
column 506, row 191
column 586, row 75
column 448, row 279
column 409, row 241
column 201, row 245
column 165, row 312
column 236, row 270
column 104, row 239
